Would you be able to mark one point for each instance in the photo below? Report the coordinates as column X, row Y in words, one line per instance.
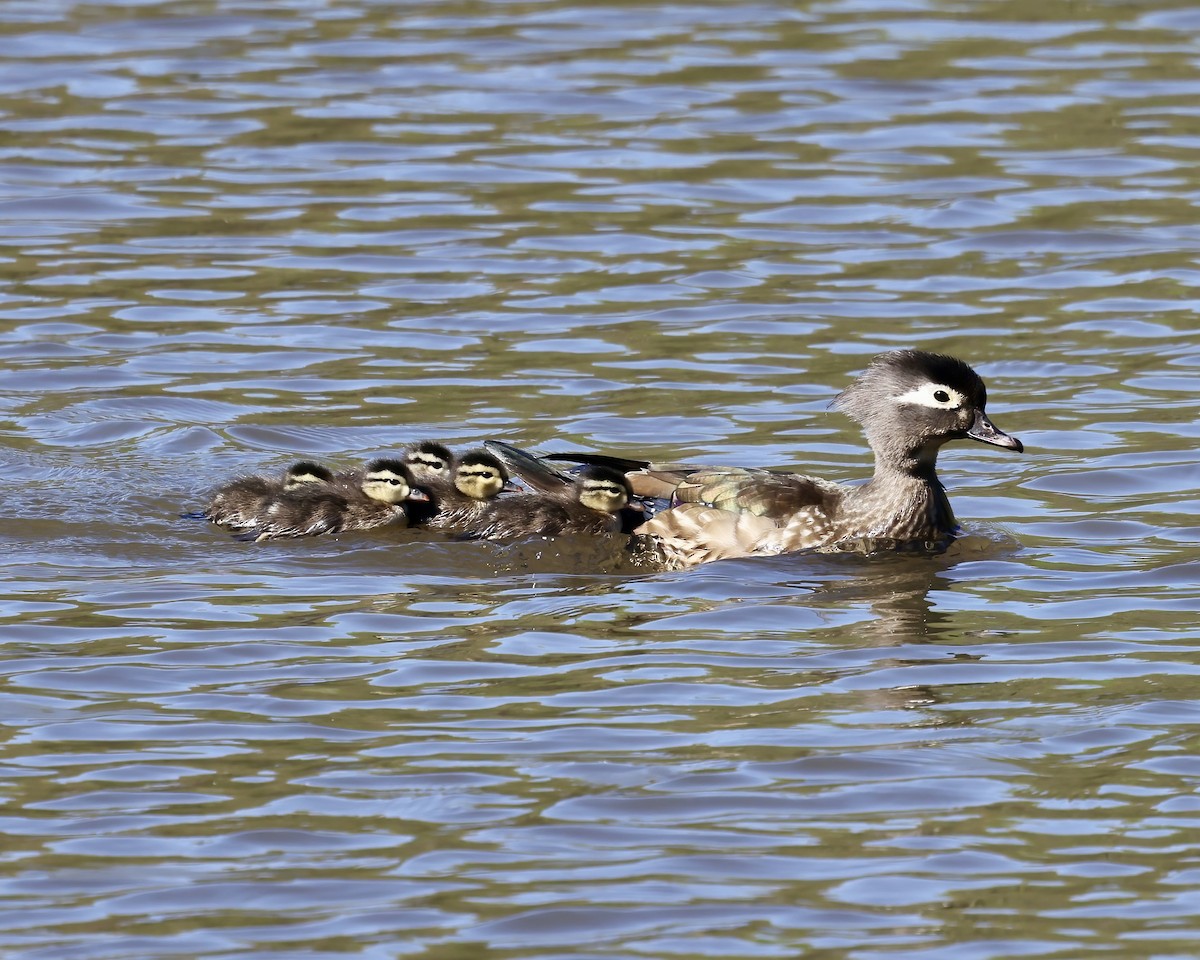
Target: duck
column 590, row 504
column 240, row 502
column 909, row 403
column 379, row 495
column 478, row 478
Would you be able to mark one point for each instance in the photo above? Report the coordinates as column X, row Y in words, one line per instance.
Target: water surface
column 235, row 233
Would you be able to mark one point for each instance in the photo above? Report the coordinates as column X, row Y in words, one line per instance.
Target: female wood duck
column 590, row 505
column 909, row 404
column 241, row 502
column 378, row 496
column 478, row 478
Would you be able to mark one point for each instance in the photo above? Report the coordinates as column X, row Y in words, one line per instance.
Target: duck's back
column 720, row 513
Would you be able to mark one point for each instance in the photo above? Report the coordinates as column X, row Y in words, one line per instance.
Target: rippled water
column 235, row 232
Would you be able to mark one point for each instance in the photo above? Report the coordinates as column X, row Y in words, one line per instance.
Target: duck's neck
column 898, row 462
column 904, row 500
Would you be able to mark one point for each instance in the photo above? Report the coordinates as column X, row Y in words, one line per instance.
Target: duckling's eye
column 941, row 396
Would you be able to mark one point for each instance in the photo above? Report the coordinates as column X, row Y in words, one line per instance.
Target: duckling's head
column 603, row 489
column 479, row 475
column 390, row 482
column 429, row 461
column 911, row 402
column 305, row 472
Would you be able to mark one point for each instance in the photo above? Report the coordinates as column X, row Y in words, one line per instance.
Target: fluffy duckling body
column 591, row 505
column 241, row 502
column 378, row 496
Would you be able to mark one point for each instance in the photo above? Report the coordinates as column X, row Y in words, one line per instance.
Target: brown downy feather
column 591, row 505
column 240, row 502
column 378, row 496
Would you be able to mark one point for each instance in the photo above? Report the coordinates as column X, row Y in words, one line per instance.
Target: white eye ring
column 935, row 395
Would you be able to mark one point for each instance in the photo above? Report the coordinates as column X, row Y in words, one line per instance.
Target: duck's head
column 390, row 482
column 479, row 475
column 911, row 402
column 428, row 460
column 305, row 472
column 603, row 489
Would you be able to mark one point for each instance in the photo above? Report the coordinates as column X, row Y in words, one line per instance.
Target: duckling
column 539, row 474
column 909, row 403
column 241, row 501
column 478, row 478
column 378, row 496
column 591, row 505
column 428, row 461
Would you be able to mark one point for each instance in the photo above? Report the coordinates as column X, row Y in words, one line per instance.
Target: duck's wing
column 535, row 472
column 651, row 481
column 623, row 464
column 727, row 512
column 762, row 493
column 693, row 533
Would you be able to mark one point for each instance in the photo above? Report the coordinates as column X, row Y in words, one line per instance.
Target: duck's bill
column 985, row 431
column 418, row 494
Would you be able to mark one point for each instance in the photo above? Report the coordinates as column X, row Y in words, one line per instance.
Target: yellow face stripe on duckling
column 429, row 459
column 605, row 495
column 386, row 485
column 425, row 461
column 479, row 482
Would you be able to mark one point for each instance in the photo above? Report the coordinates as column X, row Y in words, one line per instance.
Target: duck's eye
column 937, row 396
